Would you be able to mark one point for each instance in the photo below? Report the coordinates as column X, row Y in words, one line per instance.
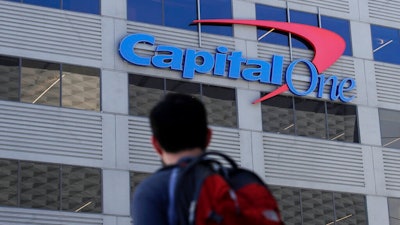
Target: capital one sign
column 328, row 47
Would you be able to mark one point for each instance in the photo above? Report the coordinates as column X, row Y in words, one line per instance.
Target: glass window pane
column 183, row 87
column 136, row 178
column 144, row 93
column 342, row 122
column 221, row 105
column 9, row 78
column 46, row 3
column 86, row 6
column 14, row 0
column 289, row 204
column 385, row 44
column 40, row 186
column 186, row 11
column 317, row 207
column 8, row 182
column 81, row 189
column 278, row 115
column 303, row 18
column 350, row 209
column 390, row 128
column 394, row 211
column 216, row 9
column 341, row 27
column 40, row 82
column 310, row 118
column 264, row 12
column 80, row 87
column 146, row 11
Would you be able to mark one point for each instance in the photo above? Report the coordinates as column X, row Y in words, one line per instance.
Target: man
column 180, row 130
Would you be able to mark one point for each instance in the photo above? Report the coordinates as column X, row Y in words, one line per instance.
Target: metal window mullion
column 61, row 81
column 326, row 120
column 290, row 34
column 301, row 207
column 334, row 208
column 163, row 12
column 294, row 116
column 199, row 24
column 19, row 184
column 319, row 17
column 60, row 187
column 20, row 79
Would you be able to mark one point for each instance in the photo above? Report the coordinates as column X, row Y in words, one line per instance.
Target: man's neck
column 172, row 158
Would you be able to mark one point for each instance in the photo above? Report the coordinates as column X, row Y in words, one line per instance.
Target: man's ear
column 156, row 145
column 209, row 134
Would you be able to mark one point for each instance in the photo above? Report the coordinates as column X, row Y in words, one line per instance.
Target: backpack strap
column 171, row 196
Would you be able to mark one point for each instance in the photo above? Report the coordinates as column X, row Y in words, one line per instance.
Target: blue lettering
column 323, row 82
column 191, row 66
column 277, row 70
column 127, row 45
column 236, row 61
column 261, row 73
column 220, row 61
column 172, row 60
column 313, row 77
column 342, row 89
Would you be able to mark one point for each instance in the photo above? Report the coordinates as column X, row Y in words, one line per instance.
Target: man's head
column 179, row 123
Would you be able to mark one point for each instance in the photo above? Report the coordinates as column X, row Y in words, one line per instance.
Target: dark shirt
column 149, row 205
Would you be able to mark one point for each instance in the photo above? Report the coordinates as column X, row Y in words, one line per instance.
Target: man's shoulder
column 155, row 182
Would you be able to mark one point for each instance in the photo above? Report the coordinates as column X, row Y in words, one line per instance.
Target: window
column 46, row 83
column 306, row 206
column 86, row 6
column 164, row 12
column 145, row 92
column 264, row 12
column 50, row 186
column 310, row 118
column 385, row 44
column 390, row 128
column 394, row 211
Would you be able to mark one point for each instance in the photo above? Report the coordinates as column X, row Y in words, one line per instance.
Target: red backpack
column 204, row 192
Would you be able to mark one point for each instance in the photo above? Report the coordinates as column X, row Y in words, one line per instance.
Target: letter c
column 127, row 45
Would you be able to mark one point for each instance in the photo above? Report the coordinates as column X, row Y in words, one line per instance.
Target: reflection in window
column 46, row 83
column 40, row 82
column 50, row 186
column 81, row 191
column 264, row 12
column 303, row 18
column 80, row 87
column 9, row 78
column 220, row 104
column 8, row 182
column 385, row 44
column 394, row 211
column 145, row 92
column 136, row 178
column 390, row 128
column 164, row 13
column 40, row 186
column 341, row 27
column 278, row 115
column 310, row 118
column 86, row 6
column 306, row 206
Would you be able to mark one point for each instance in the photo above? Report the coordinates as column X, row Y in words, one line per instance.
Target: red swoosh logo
column 328, row 46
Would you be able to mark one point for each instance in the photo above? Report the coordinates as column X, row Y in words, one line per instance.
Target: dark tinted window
column 216, row 9
column 9, row 78
column 47, row 3
column 264, row 12
column 180, row 14
column 390, row 128
column 303, row 18
column 341, row 27
column 278, row 115
column 386, row 44
column 85, row 6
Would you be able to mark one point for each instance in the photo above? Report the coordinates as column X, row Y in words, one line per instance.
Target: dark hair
column 179, row 122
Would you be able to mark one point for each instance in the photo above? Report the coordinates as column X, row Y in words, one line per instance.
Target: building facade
column 74, row 133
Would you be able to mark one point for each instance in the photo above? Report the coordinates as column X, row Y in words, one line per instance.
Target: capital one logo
column 328, row 47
